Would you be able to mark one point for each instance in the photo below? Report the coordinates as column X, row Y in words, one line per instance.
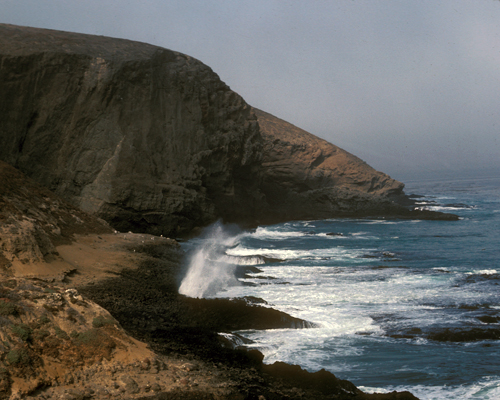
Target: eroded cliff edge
column 151, row 140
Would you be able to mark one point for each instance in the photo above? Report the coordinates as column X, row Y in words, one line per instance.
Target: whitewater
column 379, row 291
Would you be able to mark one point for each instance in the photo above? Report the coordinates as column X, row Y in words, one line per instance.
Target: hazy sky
column 409, row 86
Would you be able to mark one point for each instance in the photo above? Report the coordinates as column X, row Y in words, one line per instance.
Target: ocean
column 382, row 293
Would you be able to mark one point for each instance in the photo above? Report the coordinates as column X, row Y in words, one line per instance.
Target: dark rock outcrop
column 147, row 138
column 152, row 140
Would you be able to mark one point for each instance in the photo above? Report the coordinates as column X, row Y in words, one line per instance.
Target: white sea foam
column 485, row 389
column 444, row 208
column 378, row 222
column 242, row 260
column 483, row 272
column 301, row 346
column 371, row 390
column 294, row 254
column 363, row 236
column 267, row 233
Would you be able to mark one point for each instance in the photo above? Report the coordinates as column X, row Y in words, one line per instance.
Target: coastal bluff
column 105, row 146
column 151, row 140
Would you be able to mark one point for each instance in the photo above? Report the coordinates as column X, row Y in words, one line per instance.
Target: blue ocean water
column 377, row 289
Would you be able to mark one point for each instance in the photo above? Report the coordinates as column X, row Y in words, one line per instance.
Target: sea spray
column 208, row 269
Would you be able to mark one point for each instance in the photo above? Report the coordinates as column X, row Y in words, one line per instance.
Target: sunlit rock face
column 152, row 140
column 305, row 177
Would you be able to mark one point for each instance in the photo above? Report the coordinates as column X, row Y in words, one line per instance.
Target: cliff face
column 306, row 177
column 147, row 138
column 152, row 140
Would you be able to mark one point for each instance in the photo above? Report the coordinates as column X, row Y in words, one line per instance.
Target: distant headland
column 151, row 140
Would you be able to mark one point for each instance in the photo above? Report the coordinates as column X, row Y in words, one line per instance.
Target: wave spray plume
column 208, row 270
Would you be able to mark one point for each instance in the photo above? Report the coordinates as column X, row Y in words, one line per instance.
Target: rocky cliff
column 147, row 138
column 152, row 140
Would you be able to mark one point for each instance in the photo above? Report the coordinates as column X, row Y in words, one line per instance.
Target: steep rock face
column 152, row 140
column 146, row 138
column 306, row 177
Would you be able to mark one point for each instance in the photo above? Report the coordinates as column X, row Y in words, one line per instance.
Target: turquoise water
column 377, row 289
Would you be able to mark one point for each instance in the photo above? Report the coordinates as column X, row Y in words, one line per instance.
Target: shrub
column 17, row 356
column 100, row 321
column 88, row 337
column 61, row 334
column 22, row 331
column 7, row 308
column 40, row 334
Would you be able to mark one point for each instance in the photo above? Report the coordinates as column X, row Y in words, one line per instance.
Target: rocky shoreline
column 154, row 143
column 88, row 312
column 146, row 303
column 130, row 335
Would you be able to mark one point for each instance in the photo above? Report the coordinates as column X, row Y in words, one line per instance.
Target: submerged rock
column 465, row 334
